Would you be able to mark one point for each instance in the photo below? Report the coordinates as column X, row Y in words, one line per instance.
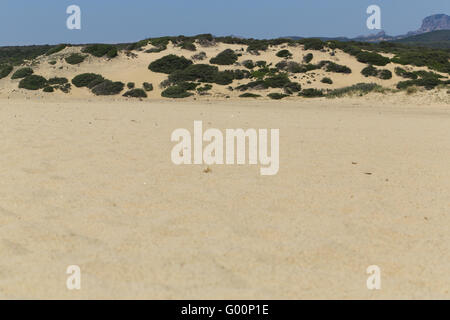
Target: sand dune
column 91, row 183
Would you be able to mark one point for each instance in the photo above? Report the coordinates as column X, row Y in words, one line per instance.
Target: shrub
column 437, row 60
column 359, row 88
column 199, row 56
column 261, row 63
column 277, row 96
column 334, row 67
column 224, row 77
column 385, row 74
column 48, row 89
column 405, row 74
column 372, row 58
column 147, row 86
column 53, row 62
column 175, row 92
column 249, row 95
column 33, row 82
column 369, row 71
column 312, row 44
column 226, row 57
column 22, row 73
column 277, row 81
column 5, row 70
column 256, row 46
column 284, row 54
column 56, row 49
column 108, row 88
column 308, row 58
column 112, row 53
column 326, row 80
column 64, row 88
column 84, row 79
column 169, row 64
column 204, row 89
column 311, row 93
column 135, row 93
column 75, row 58
column 427, row 83
column 248, row 64
column 195, row 72
column 99, row 50
column 56, row 80
column 130, row 85
column 292, row 87
column 188, row 45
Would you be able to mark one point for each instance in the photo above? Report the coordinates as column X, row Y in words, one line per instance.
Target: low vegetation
column 226, row 57
column 169, row 64
column 33, row 82
column 75, row 58
column 22, row 73
column 5, row 70
column 135, row 93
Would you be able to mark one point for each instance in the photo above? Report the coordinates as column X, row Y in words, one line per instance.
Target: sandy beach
column 361, row 182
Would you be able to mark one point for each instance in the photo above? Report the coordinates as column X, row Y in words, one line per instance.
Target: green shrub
column 385, row 74
column 284, row 54
column 434, row 59
column 369, row 71
column 64, row 87
column 308, row 58
column 359, row 89
column 195, row 72
column 224, row 77
column 312, row 44
column 311, row 93
column 53, row 62
column 99, row 50
column 147, row 86
column 33, row 82
column 427, row 83
column 56, row 80
column 108, row 88
column 334, row 67
column 135, row 93
column 169, row 64
column 22, row 73
column 5, row 70
column 84, row 79
column 199, row 56
column 277, row 96
column 255, row 46
column 112, row 53
column 226, row 57
column 405, row 74
column 175, row 92
column 204, row 89
column 249, row 95
column 130, row 85
column 277, row 81
column 248, row 64
column 48, row 89
column 56, row 49
column 188, row 45
column 326, row 80
column 261, row 63
column 292, row 87
column 75, row 58
column 372, row 58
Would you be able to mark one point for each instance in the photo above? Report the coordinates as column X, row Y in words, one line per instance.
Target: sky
column 24, row 22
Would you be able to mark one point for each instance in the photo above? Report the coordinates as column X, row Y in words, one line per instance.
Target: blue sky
column 44, row 21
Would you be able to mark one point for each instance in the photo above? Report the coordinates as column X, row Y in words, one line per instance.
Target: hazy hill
column 434, row 39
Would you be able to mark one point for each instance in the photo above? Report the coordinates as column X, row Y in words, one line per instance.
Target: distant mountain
column 433, row 39
column 430, row 24
column 434, row 23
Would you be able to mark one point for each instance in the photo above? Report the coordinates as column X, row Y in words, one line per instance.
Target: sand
column 91, row 183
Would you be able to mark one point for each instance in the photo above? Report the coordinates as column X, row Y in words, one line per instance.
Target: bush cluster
column 56, row 49
column 326, row 80
column 22, row 73
column 372, row 58
column 226, row 57
column 135, row 93
column 284, row 54
column 311, row 93
column 33, row 82
column 100, row 50
column 308, row 58
column 5, row 70
column 108, row 88
column 147, row 86
column 359, row 89
column 177, row 91
column 75, row 58
column 249, row 95
column 371, row 71
column 169, row 64
column 277, row 96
